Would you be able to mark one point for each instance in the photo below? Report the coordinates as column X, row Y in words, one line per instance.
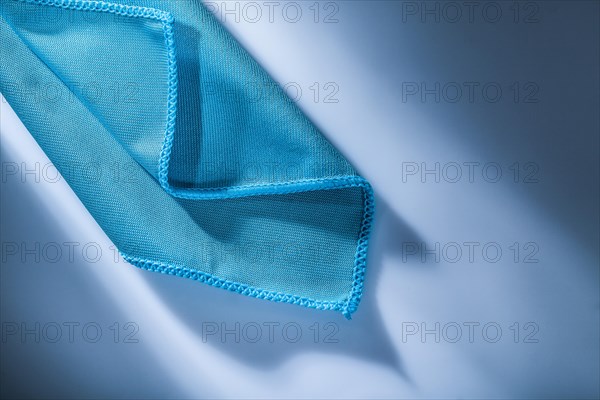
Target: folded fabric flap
column 113, row 64
column 207, row 169
column 235, row 126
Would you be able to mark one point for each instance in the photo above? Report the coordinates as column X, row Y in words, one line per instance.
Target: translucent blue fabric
column 188, row 155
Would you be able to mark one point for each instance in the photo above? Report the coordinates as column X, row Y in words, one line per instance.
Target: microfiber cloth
column 185, row 151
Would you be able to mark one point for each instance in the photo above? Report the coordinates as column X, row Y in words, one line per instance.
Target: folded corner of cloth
column 221, row 178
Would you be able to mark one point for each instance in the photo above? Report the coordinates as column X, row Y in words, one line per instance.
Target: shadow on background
column 215, row 314
column 554, row 133
column 545, row 118
column 34, row 289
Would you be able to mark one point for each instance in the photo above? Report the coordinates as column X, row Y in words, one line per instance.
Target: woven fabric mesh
column 91, row 82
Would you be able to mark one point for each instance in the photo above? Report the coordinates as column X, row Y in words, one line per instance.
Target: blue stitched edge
column 115, row 8
column 347, row 306
column 237, row 287
column 360, row 258
column 304, row 185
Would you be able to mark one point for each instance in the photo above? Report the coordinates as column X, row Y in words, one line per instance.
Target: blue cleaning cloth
column 188, row 155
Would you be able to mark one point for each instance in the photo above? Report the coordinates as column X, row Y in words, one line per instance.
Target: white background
column 373, row 54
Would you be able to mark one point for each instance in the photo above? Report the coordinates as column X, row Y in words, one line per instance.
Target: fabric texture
column 188, row 155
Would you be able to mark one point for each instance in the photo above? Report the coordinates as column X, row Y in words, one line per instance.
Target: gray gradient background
column 369, row 53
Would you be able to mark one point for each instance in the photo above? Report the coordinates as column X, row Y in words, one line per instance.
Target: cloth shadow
column 265, row 334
